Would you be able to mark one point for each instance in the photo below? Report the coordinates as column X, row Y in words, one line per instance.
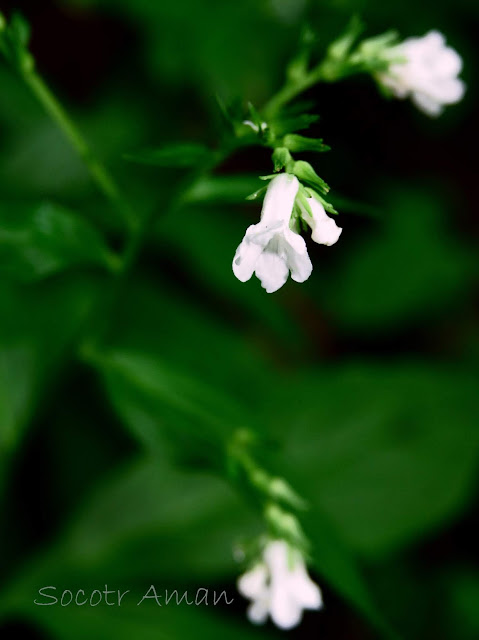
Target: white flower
column 324, row 229
column 279, row 586
column 271, row 249
column 428, row 73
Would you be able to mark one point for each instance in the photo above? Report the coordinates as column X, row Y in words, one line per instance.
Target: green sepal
column 341, row 47
column 298, row 67
column 305, row 172
column 327, row 205
column 298, row 143
column 281, row 158
column 302, row 198
column 20, row 30
column 257, row 194
column 14, row 39
column 270, row 177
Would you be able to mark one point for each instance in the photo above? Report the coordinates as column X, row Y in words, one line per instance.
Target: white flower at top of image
column 426, row 70
column 324, row 229
column 271, row 249
column 279, row 586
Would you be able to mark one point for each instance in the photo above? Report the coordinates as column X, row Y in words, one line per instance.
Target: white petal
column 429, row 74
column 253, row 583
column 427, row 104
column 285, row 612
column 306, row 592
column 279, row 199
column 271, row 269
column 276, row 557
column 258, row 611
column 297, row 257
column 245, row 259
column 324, row 229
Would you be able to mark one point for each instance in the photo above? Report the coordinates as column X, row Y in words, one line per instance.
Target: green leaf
column 152, row 398
column 206, row 247
column 297, row 143
column 173, row 155
column 35, row 336
column 338, row 567
column 391, row 464
column 146, row 505
column 374, row 288
column 145, row 622
column 221, row 189
column 257, row 194
column 39, row 240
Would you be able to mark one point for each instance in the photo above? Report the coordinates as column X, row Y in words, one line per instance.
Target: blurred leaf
column 152, row 318
column 173, row 155
column 409, row 265
column 338, row 567
column 222, row 189
column 154, row 519
column 205, row 245
column 36, row 327
column 151, row 398
column 388, row 453
column 143, row 623
column 463, row 597
column 39, row 240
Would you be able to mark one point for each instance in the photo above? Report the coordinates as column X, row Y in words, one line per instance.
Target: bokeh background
column 363, row 380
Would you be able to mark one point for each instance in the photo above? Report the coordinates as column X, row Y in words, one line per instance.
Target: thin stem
column 97, row 170
column 291, row 90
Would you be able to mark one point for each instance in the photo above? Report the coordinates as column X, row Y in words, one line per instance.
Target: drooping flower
column 279, row 586
column 324, row 229
column 426, row 70
column 271, row 249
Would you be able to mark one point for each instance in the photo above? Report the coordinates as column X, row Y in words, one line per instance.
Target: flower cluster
column 426, row 70
column 273, row 248
column 279, row 586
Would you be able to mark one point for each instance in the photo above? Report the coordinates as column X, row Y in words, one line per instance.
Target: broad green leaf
column 146, row 622
column 151, row 318
column 221, row 189
column 39, row 240
column 152, row 518
column 387, row 452
column 152, row 398
column 205, row 244
column 173, row 155
column 409, row 264
column 36, row 328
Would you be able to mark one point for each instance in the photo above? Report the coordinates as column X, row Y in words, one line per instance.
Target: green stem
column 98, row 172
column 291, row 90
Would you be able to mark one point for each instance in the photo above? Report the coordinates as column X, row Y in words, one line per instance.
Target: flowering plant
column 126, row 302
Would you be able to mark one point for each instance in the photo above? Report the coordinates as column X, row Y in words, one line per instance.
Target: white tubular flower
column 428, row 74
column 324, row 229
column 279, row 586
column 271, row 249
